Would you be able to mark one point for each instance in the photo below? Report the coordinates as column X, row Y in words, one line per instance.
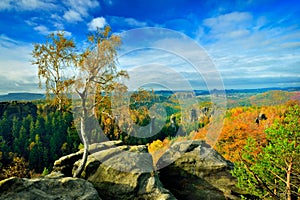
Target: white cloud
column 79, row 9
column 169, row 50
column 42, row 29
column 233, row 24
column 228, row 20
column 27, row 5
column 45, row 31
column 251, row 49
column 82, row 6
column 6, row 4
column 72, row 16
column 98, row 22
column 127, row 21
column 15, row 59
column 134, row 22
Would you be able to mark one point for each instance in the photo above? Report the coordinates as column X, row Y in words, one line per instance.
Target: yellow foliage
column 155, row 146
column 32, row 144
column 157, row 149
column 18, row 168
column 108, row 121
column 64, row 147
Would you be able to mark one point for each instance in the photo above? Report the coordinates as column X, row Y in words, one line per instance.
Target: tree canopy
column 274, row 172
column 53, row 59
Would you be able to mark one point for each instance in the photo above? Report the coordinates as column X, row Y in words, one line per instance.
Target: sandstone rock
column 189, row 170
column 50, row 188
column 117, row 171
column 198, row 173
column 65, row 164
column 124, row 172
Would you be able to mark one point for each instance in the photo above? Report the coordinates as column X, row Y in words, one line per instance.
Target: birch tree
column 97, row 76
column 52, row 58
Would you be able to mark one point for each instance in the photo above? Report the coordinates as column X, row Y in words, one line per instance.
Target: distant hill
column 21, row 96
column 274, row 97
column 232, row 94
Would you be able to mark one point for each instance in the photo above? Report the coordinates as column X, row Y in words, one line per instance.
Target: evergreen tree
column 32, row 131
column 36, row 155
column 5, row 130
column 18, row 143
column 16, row 125
column 39, row 127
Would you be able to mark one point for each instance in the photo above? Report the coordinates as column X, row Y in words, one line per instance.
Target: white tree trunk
column 84, row 140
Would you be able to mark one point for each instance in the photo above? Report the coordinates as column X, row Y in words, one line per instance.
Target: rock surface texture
column 48, row 188
column 197, row 173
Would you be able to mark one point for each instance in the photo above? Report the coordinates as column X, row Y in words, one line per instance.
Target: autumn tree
column 275, row 171
column 239, row 124
column 17, row 168
column 98, row 74
column 53, row 59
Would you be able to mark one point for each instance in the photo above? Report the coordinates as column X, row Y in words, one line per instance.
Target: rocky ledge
column 47, row 188
column 118, row 171
column 199, row 172
column 187, row 170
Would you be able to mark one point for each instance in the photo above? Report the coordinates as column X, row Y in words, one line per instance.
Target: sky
column 196, row 44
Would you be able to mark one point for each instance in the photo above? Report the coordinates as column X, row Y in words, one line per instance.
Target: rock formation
column 48, row 188
column 187, row 170
column 198, row 172
column 118, row 171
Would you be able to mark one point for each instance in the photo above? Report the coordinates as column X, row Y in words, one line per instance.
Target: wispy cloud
column 45, row 31
column 160, row 51
column 72, row 16
column 27, row 5
column 8, row 85
column 232, row 25
column 78, row 9
column 250, row 48
column 127, row 22
column 42, row 29
column 15, row 65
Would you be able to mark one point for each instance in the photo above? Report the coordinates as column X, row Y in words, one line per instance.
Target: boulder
column 118, row 172
column 194, row 170
column 47, row 188
column 65, row 164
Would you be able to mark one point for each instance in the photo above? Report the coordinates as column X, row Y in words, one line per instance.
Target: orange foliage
column 229, row 136
column 240, row 124
column 201, row 134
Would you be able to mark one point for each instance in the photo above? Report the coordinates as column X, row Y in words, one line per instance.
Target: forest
column 35, row 134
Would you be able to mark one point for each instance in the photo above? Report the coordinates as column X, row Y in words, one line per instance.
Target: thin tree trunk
column 275, row 187
column 84, row 140
column 59, row 102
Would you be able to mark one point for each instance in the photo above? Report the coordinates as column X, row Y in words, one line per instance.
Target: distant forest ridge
column 38, row 96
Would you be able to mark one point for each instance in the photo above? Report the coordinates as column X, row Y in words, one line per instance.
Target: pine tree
column 16, row 125
column 5, row 130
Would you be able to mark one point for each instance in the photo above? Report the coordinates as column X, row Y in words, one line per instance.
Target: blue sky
column 252, row 43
